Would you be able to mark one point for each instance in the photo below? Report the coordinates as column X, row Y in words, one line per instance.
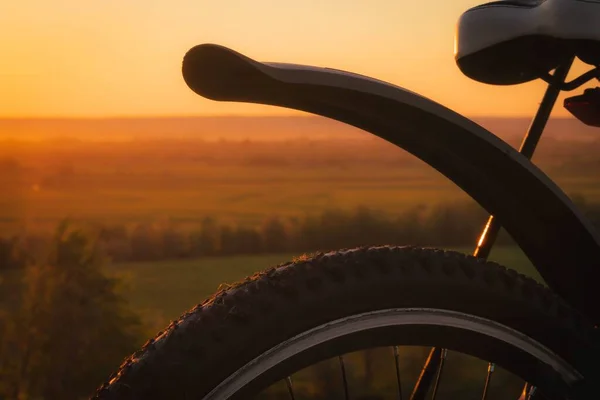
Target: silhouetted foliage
column 114, row 240
column 227, row 239
column 12, row 253
column 70, row 328
column 174, row 243
column 274, row 235
column 449, row 225
column 145, row 243
column 248, row 241
column 205, row 241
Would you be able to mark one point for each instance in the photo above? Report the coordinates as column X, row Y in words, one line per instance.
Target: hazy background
column 122, row 191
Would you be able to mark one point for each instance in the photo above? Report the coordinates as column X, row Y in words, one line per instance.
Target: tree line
column 446, row 225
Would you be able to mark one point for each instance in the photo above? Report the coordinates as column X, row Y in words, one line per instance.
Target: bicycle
column 262, row 330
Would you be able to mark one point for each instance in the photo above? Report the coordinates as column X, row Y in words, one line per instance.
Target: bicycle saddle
column 516, row 41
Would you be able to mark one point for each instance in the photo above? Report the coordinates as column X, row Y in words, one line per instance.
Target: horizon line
column 187, row 116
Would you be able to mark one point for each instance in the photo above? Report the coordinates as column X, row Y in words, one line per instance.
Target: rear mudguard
column 558, row 240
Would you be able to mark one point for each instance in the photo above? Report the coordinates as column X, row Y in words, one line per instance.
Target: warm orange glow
column 104, row 58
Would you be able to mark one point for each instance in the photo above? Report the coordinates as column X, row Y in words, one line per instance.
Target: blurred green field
column 234, row 183
column 240, row 182
column 162, row 291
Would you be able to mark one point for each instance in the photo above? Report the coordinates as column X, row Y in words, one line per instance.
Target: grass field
column 162, row 291
column 187, row 181
column 236, row 182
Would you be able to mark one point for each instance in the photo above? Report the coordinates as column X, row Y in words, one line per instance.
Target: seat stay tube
column 528, row 146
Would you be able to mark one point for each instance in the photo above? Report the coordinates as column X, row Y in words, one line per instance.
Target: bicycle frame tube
column 532, row 137
column 535, row 212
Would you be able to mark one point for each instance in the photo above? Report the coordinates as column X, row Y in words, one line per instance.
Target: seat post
column 528, row 146
column 540, row 120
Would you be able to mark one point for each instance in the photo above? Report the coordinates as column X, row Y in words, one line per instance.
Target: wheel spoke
column 345, row 380
column 439, row 373
column 532, row 391
column 397, row 362
column 290, row 387
column 427, row 374
column 488, row 378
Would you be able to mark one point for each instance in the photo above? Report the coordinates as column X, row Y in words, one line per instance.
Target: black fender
column 559, row 241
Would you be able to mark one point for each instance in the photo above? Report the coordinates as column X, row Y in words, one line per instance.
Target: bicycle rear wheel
column 261, row 330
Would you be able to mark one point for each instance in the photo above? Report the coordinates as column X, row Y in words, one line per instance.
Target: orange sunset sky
column 79, row 58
